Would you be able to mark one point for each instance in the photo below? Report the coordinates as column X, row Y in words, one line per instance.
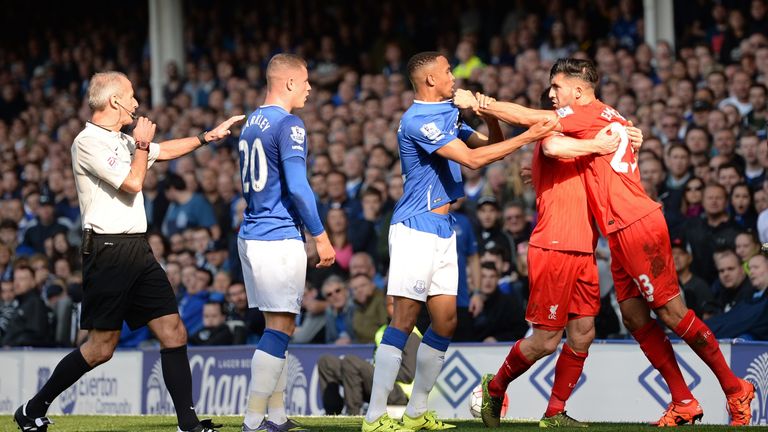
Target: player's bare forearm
column 515, row 114
column 565, row 147
column 494, row 130
column 458, row 151
column 483, row 156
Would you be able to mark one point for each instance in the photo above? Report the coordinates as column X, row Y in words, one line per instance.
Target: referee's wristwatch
column 201, row 138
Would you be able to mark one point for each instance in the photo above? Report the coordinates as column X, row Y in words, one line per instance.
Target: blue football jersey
column 431, row 180
column 270, row 135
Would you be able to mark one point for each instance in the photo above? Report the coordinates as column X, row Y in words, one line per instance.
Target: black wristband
column 201, row 138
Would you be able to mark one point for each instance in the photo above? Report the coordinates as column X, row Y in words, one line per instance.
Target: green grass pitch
column 82, row 423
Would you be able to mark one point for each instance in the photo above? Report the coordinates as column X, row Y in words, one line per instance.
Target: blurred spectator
column 361, row 263
column 741, row 207
column 714, row 230
column 467, row 61
column 754, row 172
column 489, row 233
column 195, row 296
column 32, row 322
column 747, row 319
column 516, row 226
column 215, row 330
column 8, row 306
column 155, row 200
column 253, row 318
column 311, row 324
column 369, row 312
column 337, row 228
column 6, row 264
column 732, row 285
column 468, row 303
column 757, row 119
column 43, row 227
column 336, row 183
column 696, row 291
column 747, row 246
column 187, row 209
column 339, row 314
column 355, row 376
column 502, row 318
column 738, row 92
column 498, row 256
column 60, row 303
column 693, row 194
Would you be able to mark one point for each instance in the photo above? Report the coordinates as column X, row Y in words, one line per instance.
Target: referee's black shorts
column 122, row 280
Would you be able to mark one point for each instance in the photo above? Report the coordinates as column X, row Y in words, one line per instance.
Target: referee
column 121, row 278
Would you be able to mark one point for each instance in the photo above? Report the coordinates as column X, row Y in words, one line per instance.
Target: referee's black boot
column 206, row 425
column 29, row 424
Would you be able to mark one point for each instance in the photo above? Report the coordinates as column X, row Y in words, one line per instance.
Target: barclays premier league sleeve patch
column 298, row 134
column 564, row 111
column 431, row 132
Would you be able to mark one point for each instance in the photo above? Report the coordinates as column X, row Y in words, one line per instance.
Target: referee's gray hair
column 102, row 86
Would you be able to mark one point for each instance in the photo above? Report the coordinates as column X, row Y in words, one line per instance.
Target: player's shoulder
column 428, row 116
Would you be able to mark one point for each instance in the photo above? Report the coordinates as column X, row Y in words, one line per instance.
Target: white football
column 476, row 402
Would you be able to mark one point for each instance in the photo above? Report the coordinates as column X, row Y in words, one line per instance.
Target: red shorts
column 563, row 286
column 641, row 261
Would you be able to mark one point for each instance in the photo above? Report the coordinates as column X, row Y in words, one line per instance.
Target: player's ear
column 430, row 79
column 289, row 84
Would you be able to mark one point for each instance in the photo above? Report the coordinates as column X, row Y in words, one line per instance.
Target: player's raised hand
column 607, row 140
column 325, row 251
column 540, row 130
column 222, row 130
column 635, row 136
column 465, row 99
column 144, row 131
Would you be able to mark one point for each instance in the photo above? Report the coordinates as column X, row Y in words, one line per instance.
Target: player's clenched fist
column 465, row 99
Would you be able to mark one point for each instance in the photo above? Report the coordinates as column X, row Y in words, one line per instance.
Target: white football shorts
column 421, row 264
column 274, row 273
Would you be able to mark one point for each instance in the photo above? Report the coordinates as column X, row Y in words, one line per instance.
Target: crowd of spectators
column 701, row 106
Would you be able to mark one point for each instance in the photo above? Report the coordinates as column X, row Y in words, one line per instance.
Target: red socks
column 514, row 365
column 567, row 372
column 658, row 350
column 701, row 339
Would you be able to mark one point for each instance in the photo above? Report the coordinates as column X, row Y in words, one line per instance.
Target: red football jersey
column 616, row 196
column 564, row 221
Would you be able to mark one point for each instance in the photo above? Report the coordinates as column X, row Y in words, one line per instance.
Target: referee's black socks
column 67, row 372
column 178, row 381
